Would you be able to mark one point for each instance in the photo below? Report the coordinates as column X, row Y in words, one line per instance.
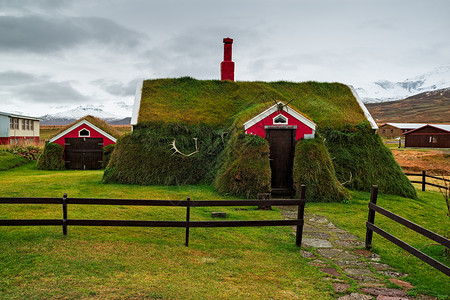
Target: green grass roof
column 216, row 103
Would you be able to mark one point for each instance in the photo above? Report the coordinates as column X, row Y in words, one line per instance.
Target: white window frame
column 280, row 115
column 89, row 133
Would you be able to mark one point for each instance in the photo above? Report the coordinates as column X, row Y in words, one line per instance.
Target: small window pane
column 84, row 132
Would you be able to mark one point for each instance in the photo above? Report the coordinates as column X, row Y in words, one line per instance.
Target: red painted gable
column 75, row 134
column 258, row 128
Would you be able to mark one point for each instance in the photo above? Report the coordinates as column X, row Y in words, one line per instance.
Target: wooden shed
column 429, row 136
column 397, row 129
column 83, row 142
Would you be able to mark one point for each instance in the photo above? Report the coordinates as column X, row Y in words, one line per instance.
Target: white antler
column 174, row 147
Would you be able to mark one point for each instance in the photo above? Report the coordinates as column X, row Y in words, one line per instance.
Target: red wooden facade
column 83, row 145
column 76, row 131
column 429, row 136
column 274, row 118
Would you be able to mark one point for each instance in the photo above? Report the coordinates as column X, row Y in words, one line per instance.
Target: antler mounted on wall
column 281, row 105
column 174, row 147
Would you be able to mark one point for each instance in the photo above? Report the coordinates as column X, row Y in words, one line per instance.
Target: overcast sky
column 57, row 54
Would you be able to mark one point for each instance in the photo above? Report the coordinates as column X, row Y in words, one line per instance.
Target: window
column 384, row 130
column 16, row 123
column 31, row 125
column 84, row 132
column 433, row 139
column 392, row 130
column 280, row 119
column 28, row 124
column 11, row 123
column 23, row 124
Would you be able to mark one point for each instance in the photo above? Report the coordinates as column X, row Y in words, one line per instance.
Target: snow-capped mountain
column 385, row 90
column 68, row 116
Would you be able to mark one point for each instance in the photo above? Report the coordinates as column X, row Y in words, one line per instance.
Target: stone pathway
column 355, row 273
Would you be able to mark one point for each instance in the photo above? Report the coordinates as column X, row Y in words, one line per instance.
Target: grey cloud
column 12, row 78
column 50, row 92
column 117, row 88
column 28, row 6
column 195, row 52
column 43, row 35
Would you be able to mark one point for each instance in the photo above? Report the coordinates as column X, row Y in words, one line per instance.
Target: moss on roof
column 94, row 121
column 216, row 103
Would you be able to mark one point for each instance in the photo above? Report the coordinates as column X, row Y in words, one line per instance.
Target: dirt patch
column 436, row 162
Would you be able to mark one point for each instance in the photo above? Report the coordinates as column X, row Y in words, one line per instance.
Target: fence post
column 64, row 221
column 300, row 216
column 424, row 173
column 371, row 218
column 188, row 216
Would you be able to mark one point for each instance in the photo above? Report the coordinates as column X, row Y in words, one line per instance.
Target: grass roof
column 216, row 103
column 94, row 121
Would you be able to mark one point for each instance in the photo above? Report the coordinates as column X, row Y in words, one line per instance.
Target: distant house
column 15, row 129
column 83, row 142
column 429, row 136
column 397, row 129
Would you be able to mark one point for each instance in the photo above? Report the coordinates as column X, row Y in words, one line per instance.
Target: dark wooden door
column 281, row 143
column 83, row 153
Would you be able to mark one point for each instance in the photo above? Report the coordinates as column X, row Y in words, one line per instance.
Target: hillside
column 429, row 107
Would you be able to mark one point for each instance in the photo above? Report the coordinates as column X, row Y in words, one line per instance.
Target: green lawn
column 135, row 263
column 153, row 263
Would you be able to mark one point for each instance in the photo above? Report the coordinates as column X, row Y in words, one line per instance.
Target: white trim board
column 273, row 109
column 81, row 123
column 137, row 102
column 364, row 108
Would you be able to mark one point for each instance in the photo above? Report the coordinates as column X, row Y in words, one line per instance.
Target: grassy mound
column 246, row 169
column 9, row 160
column 360, row 157
column 52, row 158
column 313, row 167
column 147, row 157
column 216, row 103
column 107, row 152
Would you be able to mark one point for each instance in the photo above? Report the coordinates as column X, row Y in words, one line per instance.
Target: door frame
column 293, row 129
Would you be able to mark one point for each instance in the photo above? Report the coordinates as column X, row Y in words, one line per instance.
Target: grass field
column 153, row 263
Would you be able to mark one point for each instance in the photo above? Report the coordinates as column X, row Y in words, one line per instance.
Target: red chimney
column 227, row 66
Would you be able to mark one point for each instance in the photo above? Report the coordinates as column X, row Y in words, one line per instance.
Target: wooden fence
column 187, row 223
column 373, row 207
column 424, row 182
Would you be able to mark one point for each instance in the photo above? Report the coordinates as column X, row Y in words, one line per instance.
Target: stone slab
column 355, row 296
column 349, row 243
column 318, row 234
column 340, row 287
column 346, row 236
column 307, row 254
column 329, row 253
column 379, row 266
column 331, row 271
column 403, row 284
column 356, row 271
column 392, row 273
column 316, row 243
column 381, row 291
column 351, row 263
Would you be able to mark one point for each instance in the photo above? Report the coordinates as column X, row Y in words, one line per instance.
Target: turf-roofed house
column 81, row 145
column 247, row 138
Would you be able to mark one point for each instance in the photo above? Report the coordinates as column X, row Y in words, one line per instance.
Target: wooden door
column 83, row 153
column 281, row 143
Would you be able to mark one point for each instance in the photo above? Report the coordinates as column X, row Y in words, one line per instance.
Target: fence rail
column 187, row 223
column 371, row 227
column 424, row 182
